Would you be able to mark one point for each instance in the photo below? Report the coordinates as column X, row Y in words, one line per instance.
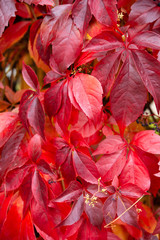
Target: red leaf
column 27, row 229
column 95, row 213
column 64, row 114
column 103, row 42
column 110, row 208
column 87, row 92
column 105, row 11
column 85, row 167
column 6, row 12
column 5, row 203
column 132, row 191
column 130, row 216
column 144, row 11
column 53, row 23
column 45, row 221
column 105, row 70
column 10, row 157
column 111, row 165
column 8, row 121
column 81, row 14
column 15, row 178
column 72, row 193
column 12, row 225
column 36, row 117
column 8, row 38
column 110, row 145
column 26, row 99
column 149, row 70
column 34, row 147
column 26, row 193
column 53, row 99
column 135, row 172
column 65, row 47
column 147, row 39
column 45, row 168
column 75, row 214
column 148, row 141
column 68, row 170
column 128, row 95
column 39, row 190
column 41, row 2
column 30, row 77
column 151, row 162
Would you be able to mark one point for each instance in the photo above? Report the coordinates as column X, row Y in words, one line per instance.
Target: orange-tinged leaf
column 146, row 218
column 8, row 38
column 120, row 231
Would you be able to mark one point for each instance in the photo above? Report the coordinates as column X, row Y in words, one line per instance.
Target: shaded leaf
column 85, row 167
column 71, row 193
column 39, row 189
column 128, row 95
column 75, row 214
column 34, row 147
column 36, row 116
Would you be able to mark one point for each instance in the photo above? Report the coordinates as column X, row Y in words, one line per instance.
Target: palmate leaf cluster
column 79, row 155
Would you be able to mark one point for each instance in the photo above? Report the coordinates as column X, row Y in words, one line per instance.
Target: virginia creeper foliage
column 79, row 155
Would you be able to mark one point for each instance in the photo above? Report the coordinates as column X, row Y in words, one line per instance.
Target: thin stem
column 124, row 212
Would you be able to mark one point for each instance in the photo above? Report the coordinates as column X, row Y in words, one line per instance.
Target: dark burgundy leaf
column 85, row 167
column 81, row 14
column 65, row 47
column 36, row 116
column 45, row 168
column 144, row 11
column 26, row 99
column 53, row 23
column 64, row 114
column 53, row 99
column 39, row 189
column 75, row 214
column 149, row 70
column 110, row 208
column 130, row 216
column 71, row 193
column 105, row 11
column 105, row 70
column 128, row 95
column 26, row 193
column 95, row 213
